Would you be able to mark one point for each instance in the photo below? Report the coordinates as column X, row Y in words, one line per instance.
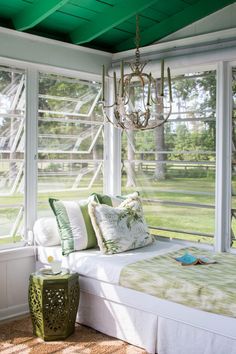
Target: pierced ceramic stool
column 53, row 302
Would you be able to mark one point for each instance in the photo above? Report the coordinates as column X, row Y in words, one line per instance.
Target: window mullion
column 31, row 150
column 223, row 158
column 112, row 157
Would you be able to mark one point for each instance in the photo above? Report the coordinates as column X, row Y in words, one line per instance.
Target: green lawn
column 178, row 217
column 159, row 213
column 7, row 240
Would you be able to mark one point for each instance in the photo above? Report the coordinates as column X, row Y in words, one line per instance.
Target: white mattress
column 93, row 264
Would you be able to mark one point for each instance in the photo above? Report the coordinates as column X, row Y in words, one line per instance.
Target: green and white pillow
column 113, row 201
column 74, row 224
column 122, row 228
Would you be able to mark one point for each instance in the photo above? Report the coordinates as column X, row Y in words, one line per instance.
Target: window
column 173, row 166
column 70, row 139
column 12, row 146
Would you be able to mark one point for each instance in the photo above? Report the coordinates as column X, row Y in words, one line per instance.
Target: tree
column 130, row 165
column 159, row 173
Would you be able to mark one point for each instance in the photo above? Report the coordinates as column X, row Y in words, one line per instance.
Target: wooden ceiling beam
column 107, row 20
column 36, row 13
column 175, row 22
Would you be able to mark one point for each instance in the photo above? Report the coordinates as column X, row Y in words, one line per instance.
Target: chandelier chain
column 137, row 43
column 137, row 36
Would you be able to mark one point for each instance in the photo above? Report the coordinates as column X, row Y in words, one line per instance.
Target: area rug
column 16, row 337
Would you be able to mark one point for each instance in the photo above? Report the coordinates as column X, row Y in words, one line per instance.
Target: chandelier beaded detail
column 141, row 102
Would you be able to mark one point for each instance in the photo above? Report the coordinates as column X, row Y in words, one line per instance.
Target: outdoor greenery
column 185, row 156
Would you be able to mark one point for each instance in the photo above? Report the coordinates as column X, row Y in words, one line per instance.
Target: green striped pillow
column 74, row 224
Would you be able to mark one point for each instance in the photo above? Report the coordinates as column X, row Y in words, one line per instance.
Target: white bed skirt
column 178, row 338
column 131, row 325
column 118, row 312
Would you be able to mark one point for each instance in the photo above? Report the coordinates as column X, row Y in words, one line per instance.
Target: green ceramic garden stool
column 53, row 302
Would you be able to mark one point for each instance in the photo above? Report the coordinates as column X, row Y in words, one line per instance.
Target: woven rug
column 16, row 337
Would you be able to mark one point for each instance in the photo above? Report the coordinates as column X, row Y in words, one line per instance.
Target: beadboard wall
column 15, row 268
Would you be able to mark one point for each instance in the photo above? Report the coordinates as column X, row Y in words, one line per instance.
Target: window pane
column 64, row 96
column 70, row 140
column 173, row 166
column 12, row 126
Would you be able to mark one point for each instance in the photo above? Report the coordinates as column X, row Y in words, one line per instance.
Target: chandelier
column 141, row 102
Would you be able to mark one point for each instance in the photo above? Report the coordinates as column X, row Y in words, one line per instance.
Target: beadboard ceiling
column 104, row 24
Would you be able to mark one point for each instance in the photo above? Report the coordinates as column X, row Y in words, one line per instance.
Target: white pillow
column 46, row 232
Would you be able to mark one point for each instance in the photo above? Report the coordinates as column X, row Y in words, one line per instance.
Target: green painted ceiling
column 104, row 24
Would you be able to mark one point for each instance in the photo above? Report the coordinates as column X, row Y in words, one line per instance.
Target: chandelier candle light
column 139, row 99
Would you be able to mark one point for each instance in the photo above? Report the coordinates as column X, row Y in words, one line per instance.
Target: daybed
column 158, row 325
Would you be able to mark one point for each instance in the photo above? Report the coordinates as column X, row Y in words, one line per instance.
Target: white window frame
column 31, row 139
column 203, row 62
column 31, row 144
column 223, row 157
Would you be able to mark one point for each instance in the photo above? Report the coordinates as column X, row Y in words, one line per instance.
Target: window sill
column 16, row 252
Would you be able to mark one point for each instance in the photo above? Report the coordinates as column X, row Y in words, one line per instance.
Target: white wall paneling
column 15, row 268
column 41, row 51
column 17, row 287
column 3, row 285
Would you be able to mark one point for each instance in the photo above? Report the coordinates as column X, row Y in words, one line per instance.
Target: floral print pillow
column 122, row 228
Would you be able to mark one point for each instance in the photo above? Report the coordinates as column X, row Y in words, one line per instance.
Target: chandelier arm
column 118, row 124
column 127, row 91
column 104, row 106
column 162, row 122
column 126, row 102
column 146, row 106
column 155, row 101
column 106, row 116
column 115, row 124
column 144, row 125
